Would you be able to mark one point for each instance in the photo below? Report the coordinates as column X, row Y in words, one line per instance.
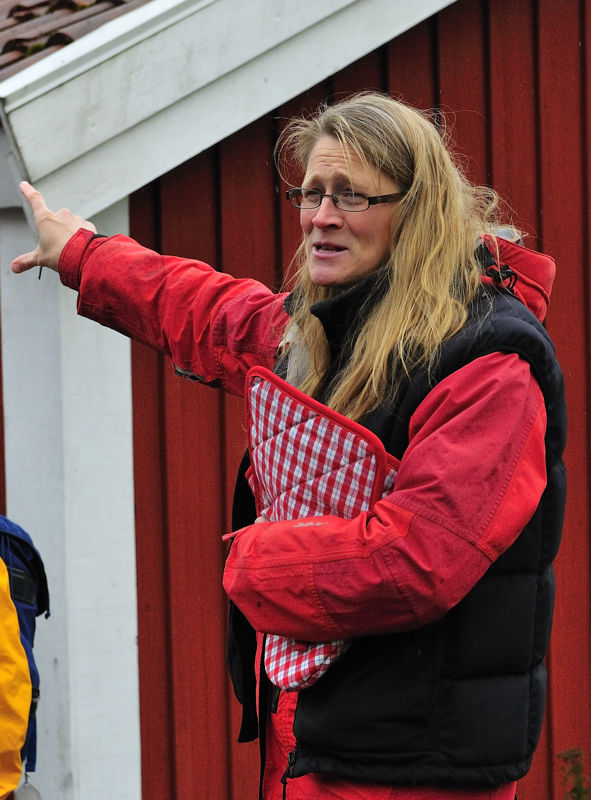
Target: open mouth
column 328, row 248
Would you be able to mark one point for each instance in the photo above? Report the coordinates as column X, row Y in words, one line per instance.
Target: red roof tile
column 32, row 29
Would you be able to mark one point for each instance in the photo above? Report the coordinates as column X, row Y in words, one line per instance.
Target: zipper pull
column 288, row 771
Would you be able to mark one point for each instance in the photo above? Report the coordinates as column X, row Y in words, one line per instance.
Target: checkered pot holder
column 307, row 461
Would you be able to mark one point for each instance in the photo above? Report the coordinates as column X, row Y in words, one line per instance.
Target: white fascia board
column 127, row 87
column 159, row 100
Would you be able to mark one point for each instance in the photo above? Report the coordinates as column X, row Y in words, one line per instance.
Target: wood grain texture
column 564, row 217
column 514, row 111
column 155, row 668
column 367, row 74
column 462, row 45
column 412, row 66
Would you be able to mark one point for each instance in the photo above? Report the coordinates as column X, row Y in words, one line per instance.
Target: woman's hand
column 261, row 519
column 55, row 230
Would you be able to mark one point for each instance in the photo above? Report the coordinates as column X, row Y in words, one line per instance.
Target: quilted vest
column 459, row 701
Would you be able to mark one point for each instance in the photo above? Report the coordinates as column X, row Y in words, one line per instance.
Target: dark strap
column 23, row 586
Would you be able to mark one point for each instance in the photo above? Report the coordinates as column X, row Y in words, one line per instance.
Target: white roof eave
column 140, row 95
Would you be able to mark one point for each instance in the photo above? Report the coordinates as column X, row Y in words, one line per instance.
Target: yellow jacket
column 15, row 691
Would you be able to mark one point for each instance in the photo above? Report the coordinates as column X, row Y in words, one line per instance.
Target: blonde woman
column 416, row 331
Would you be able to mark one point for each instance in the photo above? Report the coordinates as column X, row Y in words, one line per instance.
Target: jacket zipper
column 291, row 758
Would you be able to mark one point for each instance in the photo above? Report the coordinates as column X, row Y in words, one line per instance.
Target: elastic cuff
column 70, row 262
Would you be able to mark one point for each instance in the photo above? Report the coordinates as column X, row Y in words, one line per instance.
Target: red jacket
column 217, row 327
column 422, row 548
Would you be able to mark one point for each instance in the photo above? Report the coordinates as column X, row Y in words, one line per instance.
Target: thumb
column 26, row 261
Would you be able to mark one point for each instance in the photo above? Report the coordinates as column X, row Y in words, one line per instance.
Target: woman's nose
column 327, row 214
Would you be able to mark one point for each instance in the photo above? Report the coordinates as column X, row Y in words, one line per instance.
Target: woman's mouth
column 328, row 248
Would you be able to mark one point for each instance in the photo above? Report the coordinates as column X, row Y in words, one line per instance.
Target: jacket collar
column 341, row 316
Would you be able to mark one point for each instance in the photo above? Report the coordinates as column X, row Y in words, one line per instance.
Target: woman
column 409, row 317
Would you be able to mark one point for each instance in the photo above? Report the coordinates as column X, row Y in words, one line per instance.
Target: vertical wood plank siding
column 514, row 81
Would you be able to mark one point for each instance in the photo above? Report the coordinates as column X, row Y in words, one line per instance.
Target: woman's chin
column 331, row 276
column 324, row 280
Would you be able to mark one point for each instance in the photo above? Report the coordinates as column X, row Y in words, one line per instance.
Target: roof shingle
column 32, row 29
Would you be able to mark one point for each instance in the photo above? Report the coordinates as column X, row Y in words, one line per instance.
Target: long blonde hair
column 431, row 273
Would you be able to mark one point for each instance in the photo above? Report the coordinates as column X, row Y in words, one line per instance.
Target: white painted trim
column 9, row 194
column 143, row 79
column 161, row 99
column 69, row 475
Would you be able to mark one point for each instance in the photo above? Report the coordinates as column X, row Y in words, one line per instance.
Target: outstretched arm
column 55, row 229
column 213, row 326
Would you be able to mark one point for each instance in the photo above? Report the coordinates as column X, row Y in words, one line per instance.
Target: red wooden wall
column 513, row 77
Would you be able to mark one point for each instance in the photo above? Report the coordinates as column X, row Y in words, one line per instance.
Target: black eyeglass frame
column 377, row 199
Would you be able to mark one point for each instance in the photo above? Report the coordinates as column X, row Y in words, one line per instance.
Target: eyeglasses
column 346, row 201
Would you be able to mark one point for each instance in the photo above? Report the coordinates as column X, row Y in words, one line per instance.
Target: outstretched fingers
column 54, row 229
column 36, row 201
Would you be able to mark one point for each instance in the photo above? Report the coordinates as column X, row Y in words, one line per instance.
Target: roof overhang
column 112, row 111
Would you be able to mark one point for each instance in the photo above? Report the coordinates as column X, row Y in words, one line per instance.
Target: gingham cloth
column 307, row 461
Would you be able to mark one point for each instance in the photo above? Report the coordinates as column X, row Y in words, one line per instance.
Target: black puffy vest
column 459, row 701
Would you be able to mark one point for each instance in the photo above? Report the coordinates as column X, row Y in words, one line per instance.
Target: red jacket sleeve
column 468, row 483
column 211, row 325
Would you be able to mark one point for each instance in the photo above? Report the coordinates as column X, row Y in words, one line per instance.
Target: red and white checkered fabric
column 306, row 461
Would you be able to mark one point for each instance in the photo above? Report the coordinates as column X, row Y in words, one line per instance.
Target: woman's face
column 343, row 247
